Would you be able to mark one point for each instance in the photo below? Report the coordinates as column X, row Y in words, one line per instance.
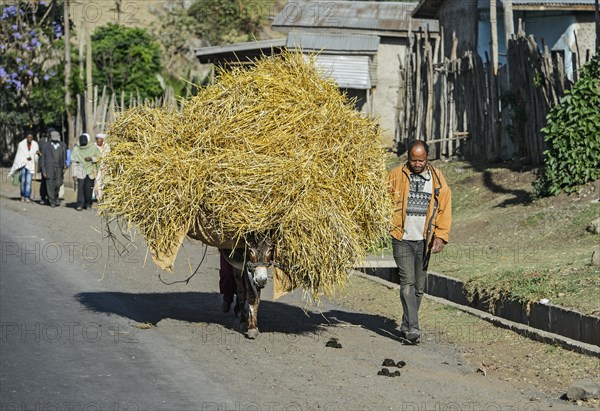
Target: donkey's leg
column 253, row 303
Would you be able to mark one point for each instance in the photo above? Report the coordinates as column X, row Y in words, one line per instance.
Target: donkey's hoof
column 252, row 333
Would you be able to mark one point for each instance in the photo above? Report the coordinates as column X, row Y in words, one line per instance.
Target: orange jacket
column 399, row 186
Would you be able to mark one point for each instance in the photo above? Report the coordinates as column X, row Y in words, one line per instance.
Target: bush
column 572, row 135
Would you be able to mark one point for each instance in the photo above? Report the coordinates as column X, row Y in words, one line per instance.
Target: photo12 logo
column 268, row 406
column 54, row 332
column 68, row 406
column 54, row 252
column 322, row 12
column 118, row 11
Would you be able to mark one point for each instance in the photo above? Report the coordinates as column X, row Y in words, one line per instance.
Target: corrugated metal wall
column 346, row 71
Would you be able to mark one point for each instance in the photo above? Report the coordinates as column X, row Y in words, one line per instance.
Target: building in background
column 359, row 44
column 565, row 26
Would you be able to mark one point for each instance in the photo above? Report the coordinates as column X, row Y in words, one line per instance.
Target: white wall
column 385, row 94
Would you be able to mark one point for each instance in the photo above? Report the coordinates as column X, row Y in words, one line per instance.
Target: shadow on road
column 204, row 307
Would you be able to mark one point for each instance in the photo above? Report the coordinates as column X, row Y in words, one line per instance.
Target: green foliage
column 228, row 21
column 126, row 59
column 31, row 49
column 572, row 135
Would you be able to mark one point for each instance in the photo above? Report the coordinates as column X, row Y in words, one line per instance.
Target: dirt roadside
column 290, row 365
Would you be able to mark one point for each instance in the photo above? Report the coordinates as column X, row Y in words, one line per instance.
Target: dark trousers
column 409, row 259
column 85, row 186
column 43, row 189
column 227, row 285
column 53, row 182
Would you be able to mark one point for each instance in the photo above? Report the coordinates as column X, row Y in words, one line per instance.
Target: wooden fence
column 105, row 108
column 459, row 107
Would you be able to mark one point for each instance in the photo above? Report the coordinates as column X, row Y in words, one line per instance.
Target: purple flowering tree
column 31, row 60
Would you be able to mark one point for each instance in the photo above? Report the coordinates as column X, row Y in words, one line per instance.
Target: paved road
column 70, row 308
column 57, row 355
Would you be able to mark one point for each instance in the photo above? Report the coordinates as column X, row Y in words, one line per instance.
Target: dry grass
column 272, row 150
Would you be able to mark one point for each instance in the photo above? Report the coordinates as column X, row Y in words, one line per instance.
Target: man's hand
column 438, row 245
column 45, row 175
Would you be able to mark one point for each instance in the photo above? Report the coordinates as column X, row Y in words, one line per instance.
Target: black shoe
column 413, row 338
column 53, row 205
column 225, row 306
column 78, row 208
column 402, row 335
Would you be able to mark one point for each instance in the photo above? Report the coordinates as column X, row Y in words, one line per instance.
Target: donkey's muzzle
column 260, row 276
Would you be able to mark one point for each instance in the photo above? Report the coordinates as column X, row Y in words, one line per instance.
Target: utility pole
column 70, row 125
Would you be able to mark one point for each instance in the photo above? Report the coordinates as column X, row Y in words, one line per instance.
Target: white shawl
column 22, row 154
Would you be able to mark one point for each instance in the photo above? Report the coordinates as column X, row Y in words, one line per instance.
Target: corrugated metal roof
column 333, row 42
column 392, row 18
column 346, row 71
column 428, row 9
column 543, row 4
column 238, row 50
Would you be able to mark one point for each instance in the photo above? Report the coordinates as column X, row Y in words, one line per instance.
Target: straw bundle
column 273, row 149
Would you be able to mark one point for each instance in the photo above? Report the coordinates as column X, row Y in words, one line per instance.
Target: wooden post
column 454, row 46
column 494, row 31
column 429, row 110
column 509, row 26
column 89, row 115
column 597, row 18
column 70, row 125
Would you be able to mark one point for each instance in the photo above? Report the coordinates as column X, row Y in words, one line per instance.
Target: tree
column 31, row 47
column 228, row 21
column 126, row 60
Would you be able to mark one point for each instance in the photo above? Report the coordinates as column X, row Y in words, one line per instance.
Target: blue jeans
column 409, row 259
column 26, row 178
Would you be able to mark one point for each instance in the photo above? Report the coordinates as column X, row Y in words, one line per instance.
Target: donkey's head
column 259, row 256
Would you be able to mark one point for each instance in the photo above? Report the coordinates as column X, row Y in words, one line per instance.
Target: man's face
column 29, row 137
column 417, row 159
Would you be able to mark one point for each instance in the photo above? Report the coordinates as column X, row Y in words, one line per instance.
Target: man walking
column 54, row 154
column 420, row 225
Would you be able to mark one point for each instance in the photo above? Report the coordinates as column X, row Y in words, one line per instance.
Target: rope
column 190, row 277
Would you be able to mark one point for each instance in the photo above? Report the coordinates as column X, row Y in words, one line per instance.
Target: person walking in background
column 421, row 224
column 53, row 160
column 84, row 163
column 44, row 139
column 24, row 164
column 104, row 149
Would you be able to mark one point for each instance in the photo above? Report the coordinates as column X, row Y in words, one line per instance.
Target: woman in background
column 24, row 164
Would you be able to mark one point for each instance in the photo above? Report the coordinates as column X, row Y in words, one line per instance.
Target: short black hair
column 414, row 143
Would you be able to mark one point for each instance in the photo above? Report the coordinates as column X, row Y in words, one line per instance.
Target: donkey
column 250, row 264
